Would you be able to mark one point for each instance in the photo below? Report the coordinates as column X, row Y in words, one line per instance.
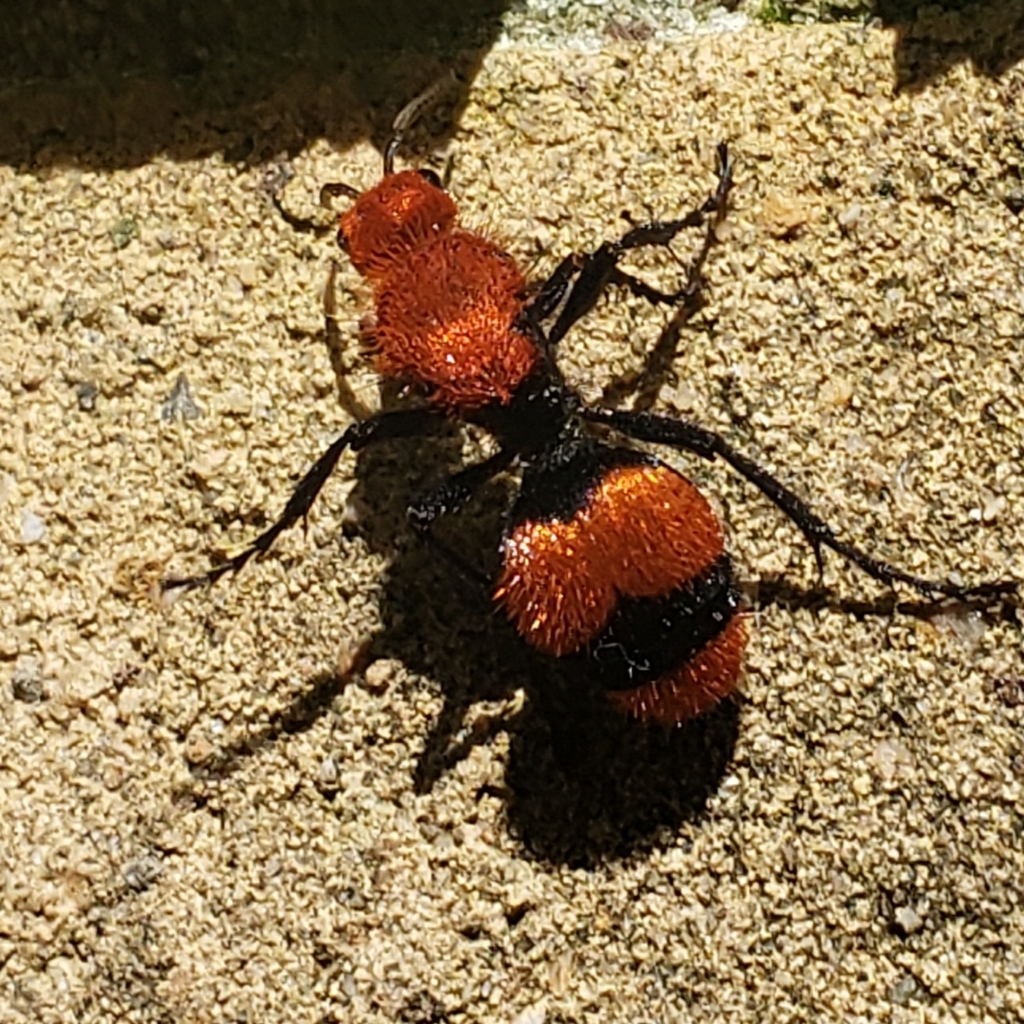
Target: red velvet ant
column 607, row 550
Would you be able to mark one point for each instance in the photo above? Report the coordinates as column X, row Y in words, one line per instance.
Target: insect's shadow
column 779, row 591
column 581, row 783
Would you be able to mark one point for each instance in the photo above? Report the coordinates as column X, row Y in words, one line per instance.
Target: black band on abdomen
column 648, row 637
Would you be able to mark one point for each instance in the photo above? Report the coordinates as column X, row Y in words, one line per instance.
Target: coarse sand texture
column 326, row 790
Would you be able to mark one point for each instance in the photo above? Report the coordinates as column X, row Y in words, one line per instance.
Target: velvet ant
column 607, row 550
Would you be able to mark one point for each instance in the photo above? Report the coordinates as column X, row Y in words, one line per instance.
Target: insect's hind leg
column 402, row 423
column 675, row 433
column 581, row 279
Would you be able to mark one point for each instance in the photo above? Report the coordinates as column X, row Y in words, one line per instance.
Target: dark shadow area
column 299, row 716
column 658, row 370
column 581, row 783
column 112, row 83
column 932, row 37
column 585, row 784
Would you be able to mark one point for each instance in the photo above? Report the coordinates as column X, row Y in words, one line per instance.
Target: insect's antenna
column 407, row 116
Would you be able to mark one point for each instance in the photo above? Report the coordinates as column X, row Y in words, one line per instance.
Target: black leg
column 449, row 496
column 307, row 224
column 585, row 276
column 642, row 290
column 552, row 291
column 336, row 188
column 403, row 423
column 644, row 426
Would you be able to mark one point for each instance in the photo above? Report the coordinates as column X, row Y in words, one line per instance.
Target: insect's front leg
column 449, row 496
column 582, row 278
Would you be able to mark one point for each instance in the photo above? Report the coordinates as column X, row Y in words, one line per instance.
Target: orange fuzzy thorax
column 447, row 299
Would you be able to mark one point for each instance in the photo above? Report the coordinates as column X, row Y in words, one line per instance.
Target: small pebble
column 142, row 873
column 379, row 675
column 27, row 682
column 907, row 920
column 123, row 231
column 903, row 991
column 180, row 402
column 247, row 273
column 850, row 216
column 327, row 776
column 891, row 757
column 33, row 529
column 86, row 393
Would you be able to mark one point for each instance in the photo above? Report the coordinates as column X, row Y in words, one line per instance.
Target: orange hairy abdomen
column 644, row 531
column 446, row 319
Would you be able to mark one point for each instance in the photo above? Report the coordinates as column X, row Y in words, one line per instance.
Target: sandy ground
column 211, row 811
